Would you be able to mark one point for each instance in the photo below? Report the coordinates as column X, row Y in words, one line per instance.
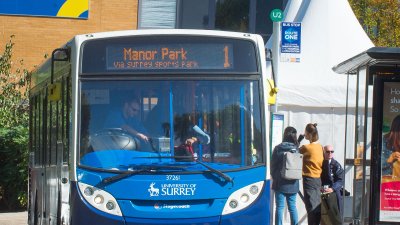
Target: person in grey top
column 284, row 189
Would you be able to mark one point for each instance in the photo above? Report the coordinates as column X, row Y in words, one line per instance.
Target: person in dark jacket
column 332, row 180
column 284, row 189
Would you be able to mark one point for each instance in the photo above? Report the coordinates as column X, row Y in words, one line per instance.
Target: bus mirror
column 54, row 92
column 60, row 54
column 272, row 91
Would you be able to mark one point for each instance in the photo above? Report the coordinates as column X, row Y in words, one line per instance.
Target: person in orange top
column 312, row 168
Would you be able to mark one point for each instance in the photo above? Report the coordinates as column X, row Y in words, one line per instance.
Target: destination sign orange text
column 200, row 56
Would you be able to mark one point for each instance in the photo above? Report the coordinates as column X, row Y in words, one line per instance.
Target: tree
column 380, row 20
column 14, row 126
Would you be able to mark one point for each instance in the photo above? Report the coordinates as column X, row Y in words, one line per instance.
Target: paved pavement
column 14, row 218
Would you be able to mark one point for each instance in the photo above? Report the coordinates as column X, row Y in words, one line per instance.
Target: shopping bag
column 330, row 214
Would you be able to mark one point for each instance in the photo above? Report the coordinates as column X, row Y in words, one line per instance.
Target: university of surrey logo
column 153, row 191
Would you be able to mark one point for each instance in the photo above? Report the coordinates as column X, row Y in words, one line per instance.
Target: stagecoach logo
column 166, row 206
column 172, row 190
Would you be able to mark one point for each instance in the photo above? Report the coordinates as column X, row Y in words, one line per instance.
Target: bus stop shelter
column 373, row 98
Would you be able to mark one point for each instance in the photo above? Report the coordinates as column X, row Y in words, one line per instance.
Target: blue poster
column 291, row 37
column 50, row 8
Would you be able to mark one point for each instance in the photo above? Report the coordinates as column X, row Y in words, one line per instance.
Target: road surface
column 14, row 218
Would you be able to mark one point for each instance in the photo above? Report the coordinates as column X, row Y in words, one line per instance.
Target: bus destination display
column 170, row 56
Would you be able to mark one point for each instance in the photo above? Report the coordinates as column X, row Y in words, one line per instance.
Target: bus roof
column 169, row 32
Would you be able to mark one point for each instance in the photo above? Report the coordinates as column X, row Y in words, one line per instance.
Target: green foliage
column 14, row 123
column 380, row 20
column 13, row 167
column 14, row 109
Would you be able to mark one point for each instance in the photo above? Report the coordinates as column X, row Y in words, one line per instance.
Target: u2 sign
column 276, row 15
column 291, row 37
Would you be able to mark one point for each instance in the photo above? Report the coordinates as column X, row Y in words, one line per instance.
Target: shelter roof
column 372, row 56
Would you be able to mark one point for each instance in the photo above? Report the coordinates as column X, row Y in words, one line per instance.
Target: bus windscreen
column 169, row 53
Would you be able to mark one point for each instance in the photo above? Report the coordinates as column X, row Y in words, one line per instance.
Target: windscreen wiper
column 112, row 179
column 221, row 174
column 128, row 173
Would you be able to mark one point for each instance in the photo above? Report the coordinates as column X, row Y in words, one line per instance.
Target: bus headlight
column 233, row 203
column 88, row 191
column 254, row 189
column 110, row 205
column 242, row 198
column 100, row 199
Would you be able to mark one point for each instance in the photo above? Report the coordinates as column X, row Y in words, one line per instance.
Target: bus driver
column 128, row 119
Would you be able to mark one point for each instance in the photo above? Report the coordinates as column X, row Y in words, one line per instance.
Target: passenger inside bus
column 188, row 138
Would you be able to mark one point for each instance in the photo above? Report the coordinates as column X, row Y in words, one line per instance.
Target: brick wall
column 37, row 36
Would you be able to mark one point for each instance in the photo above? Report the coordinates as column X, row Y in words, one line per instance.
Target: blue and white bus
column 205, row 86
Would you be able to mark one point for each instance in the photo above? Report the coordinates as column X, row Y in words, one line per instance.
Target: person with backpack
column 312, row 169
column 284, row 188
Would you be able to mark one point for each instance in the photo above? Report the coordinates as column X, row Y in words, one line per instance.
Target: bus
column 191, row 148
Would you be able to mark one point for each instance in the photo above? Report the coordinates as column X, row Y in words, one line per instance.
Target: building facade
column 36, row 36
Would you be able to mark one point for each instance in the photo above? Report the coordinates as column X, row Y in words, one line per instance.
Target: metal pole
column 276, row 31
